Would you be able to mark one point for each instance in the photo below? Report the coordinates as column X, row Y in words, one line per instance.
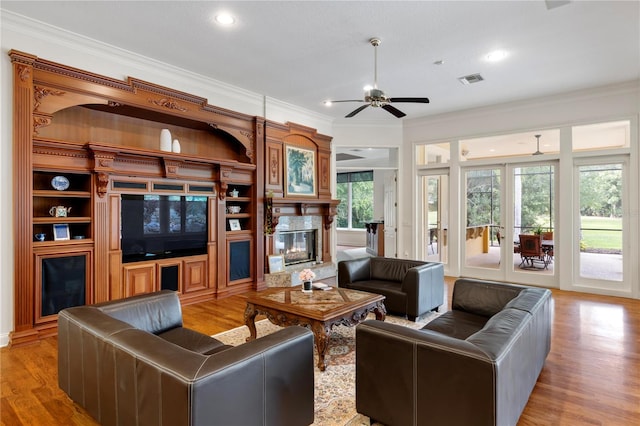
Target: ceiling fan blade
column 413, row 100
column 352, row 113
column 393, row 110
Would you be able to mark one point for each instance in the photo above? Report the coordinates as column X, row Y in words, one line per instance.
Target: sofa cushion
column 496, row 336
column 528, row 300
column 457, row 324
column 153, row 313
column 192, row 340
column 485, row 298
column 391, row 269
column 378, row 286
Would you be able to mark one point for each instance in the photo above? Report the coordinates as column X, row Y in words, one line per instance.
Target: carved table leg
column 321, row 336
column 380, row 311
column 250, row 314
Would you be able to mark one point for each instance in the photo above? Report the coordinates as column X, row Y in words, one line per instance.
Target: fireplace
column 297, row 246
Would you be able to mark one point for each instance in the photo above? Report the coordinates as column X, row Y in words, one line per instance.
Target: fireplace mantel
column 295, row 207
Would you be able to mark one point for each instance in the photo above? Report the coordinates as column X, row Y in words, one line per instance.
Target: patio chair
column 531, row 252
column 548, row 249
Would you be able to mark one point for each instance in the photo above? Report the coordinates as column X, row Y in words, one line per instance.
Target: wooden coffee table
column 320, row 311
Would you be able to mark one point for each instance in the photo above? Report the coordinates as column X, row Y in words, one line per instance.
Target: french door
column 434, row 216
column 500, row 202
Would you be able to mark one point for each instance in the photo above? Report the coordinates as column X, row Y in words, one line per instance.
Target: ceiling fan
column 375, row 97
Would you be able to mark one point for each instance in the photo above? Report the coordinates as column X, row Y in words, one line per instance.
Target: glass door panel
column 533, row 214
column 483, row 206
column 601, row 224
column 434, row 217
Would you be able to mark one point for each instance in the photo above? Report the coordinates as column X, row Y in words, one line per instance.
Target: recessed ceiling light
column 496, row 55
column 225, row 19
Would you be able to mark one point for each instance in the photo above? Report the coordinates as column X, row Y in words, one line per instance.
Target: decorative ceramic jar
column 165, row 140
column 176, row 146
column 59, row 211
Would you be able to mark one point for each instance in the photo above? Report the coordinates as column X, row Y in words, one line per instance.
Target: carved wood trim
column 171, row 168
column 40, row 120
column 102, row 183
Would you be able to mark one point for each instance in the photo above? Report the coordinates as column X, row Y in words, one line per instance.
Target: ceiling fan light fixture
column 374, row 97
column 327, row 103
column 538, row 152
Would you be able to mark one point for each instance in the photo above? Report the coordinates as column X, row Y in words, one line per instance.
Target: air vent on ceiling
column 470, row 79
column 344, row 157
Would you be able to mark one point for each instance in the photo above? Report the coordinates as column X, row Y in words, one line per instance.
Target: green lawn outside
column 610, row 238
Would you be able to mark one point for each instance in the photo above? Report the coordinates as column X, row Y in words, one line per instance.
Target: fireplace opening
column 297, row 246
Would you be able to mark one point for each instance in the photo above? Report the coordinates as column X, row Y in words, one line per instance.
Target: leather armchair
column 131, row 362
column 410, row 287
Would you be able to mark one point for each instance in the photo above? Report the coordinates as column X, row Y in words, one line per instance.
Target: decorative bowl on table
column 233, row 209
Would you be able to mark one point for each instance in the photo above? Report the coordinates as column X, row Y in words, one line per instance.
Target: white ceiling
column 304, row 52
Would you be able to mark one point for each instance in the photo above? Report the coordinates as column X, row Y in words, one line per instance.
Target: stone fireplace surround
column 290, row 276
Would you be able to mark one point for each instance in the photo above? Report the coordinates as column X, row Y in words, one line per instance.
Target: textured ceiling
column 303, row 52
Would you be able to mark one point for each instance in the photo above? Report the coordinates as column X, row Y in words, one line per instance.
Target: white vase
column 165, row 140
column 176, row 146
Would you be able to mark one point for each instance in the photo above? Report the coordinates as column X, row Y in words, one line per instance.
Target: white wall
column 70, row 49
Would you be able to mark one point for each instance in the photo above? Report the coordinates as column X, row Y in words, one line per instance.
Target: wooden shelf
column 52, row 220
column 53, row 243
column 61, row 194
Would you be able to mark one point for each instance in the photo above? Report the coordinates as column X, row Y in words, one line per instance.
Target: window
column 610, row 135
column 355, row 192
column 601, row 224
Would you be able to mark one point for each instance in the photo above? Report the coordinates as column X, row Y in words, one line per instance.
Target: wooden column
column 23, row 125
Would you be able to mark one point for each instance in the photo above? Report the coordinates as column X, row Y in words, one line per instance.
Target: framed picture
column 276, row 263
column 61, row 232
column 300, row 171
column 234, row 225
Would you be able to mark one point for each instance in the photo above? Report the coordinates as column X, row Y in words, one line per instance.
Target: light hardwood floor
column 591, row 377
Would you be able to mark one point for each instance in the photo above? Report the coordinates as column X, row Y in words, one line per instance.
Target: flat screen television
column 163, row 226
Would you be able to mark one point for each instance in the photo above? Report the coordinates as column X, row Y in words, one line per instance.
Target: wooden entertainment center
column 83, row 143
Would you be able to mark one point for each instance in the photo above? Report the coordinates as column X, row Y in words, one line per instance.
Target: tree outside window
column 355, row 192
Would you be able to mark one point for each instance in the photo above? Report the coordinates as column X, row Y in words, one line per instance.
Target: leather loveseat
column 410, row 287
column 131, row 362
column 474, row 365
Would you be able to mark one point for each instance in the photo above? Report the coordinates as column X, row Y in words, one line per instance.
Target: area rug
column 335, row 389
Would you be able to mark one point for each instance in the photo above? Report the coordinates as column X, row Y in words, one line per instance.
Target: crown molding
column 582, row 95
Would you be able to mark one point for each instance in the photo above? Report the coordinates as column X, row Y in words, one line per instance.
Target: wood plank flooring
column 591, row 377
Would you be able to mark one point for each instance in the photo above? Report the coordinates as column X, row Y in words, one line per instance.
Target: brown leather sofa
column 474, row 365
column 410, row 287
column 131, row 362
